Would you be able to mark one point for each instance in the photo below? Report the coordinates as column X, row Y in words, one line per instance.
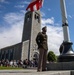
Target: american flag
column 35, row 5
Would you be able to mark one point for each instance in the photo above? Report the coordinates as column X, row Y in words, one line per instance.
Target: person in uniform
column 41, row 41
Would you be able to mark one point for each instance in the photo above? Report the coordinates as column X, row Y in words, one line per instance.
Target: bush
column 51, row 57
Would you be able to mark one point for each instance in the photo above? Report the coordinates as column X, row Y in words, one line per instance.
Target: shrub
column 51, row 57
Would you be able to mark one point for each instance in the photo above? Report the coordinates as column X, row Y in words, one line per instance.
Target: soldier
column 41, row 41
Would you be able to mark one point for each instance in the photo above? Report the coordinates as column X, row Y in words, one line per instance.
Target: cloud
column 13, row 35
column 0, row 6
column 49, row 9
column 19, row 6
column 23, row 11
column 69, row 16
column 48, row 21
column 0, row 11
column 42, row 14
column 25, row 2
column 55, row 38
column 13, row 18
column 4, row 1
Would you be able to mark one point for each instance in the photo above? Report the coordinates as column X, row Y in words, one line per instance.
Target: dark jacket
column 41, row 40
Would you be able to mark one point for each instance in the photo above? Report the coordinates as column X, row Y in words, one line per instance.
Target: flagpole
column 66, row 51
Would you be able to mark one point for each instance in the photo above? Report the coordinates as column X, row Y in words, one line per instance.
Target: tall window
column 2, row 54
column 7, row 54
column 28, row 17
column 11, row 54
column 37, row 17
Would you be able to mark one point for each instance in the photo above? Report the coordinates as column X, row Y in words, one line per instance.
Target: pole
column 64, row 21
column 66, row 51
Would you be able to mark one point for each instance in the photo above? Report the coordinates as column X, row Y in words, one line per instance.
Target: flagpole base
column 66, row 52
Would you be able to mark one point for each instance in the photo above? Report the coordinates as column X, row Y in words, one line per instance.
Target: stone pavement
column 32, row 72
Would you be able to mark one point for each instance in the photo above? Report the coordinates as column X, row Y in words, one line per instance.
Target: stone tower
column 32, row 25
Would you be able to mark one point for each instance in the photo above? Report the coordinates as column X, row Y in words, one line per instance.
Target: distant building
column 27, row 49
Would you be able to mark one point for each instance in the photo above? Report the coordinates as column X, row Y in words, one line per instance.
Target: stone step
column 33, row 72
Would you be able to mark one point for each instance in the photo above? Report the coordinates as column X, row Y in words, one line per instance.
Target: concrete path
column 32, row 72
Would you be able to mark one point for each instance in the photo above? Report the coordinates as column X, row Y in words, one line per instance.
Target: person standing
column 41, row 41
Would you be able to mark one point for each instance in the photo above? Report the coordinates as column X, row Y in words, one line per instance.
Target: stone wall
column 11, row 52
column 60, row 66
column 25, row 50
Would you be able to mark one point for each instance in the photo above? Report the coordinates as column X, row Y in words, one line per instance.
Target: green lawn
column 9, row 68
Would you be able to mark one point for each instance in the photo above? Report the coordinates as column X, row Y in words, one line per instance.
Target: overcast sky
column 12, row 13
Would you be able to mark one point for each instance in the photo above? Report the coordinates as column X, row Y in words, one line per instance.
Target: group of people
column 18, row 63
column 13, row 63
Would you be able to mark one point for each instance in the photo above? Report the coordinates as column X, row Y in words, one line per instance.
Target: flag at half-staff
column 35, row 5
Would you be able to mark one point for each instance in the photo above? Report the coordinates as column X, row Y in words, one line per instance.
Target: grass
column 9, row 68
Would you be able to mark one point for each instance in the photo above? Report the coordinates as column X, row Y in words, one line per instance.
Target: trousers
column 42, row 59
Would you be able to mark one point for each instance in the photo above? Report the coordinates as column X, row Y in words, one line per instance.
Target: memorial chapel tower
column 32, row 25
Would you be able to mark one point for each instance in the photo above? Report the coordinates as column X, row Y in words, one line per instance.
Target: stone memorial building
column 27, row 48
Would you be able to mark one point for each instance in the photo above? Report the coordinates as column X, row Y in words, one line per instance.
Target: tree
column 51, row 56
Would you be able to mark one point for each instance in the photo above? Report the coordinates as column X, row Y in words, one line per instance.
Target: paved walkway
column 32, row 72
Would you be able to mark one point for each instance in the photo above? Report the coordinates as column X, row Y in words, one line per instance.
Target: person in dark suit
column 41, row 41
